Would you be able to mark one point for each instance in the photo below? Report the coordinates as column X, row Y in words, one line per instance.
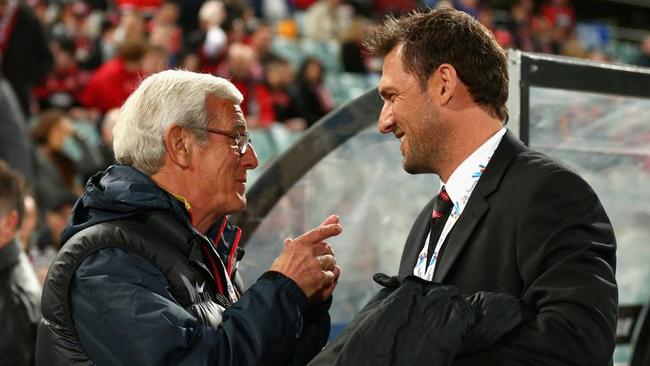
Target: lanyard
column 424, row 270
column 221, row 272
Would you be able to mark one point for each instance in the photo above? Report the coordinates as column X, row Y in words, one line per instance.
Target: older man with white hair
column 147, row 273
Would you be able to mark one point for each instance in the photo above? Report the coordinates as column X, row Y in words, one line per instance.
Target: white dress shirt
column 460, row 186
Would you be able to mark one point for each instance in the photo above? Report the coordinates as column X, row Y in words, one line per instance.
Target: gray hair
column 161, row 100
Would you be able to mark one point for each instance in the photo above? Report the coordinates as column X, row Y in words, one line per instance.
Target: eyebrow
column 239, row 123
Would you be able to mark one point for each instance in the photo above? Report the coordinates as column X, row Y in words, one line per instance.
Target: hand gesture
column 309, row 261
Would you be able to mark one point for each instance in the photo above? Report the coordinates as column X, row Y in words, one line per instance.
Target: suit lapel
column 477, row 206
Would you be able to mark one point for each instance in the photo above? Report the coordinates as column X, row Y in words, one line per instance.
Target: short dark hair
column 12, row 191
column 434, row 37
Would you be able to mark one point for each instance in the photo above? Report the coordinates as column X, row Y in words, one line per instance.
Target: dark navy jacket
column 124, row 312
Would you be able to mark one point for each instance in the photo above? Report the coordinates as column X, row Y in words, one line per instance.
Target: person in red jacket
column 258, row 103
column 114, row 81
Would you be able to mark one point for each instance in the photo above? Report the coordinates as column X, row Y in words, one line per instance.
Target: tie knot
column 442, row 205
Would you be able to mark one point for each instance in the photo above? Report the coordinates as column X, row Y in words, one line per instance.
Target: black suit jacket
column 534, row 229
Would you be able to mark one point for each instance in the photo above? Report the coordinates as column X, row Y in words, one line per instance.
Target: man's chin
column 413, row 168
column 242, row 200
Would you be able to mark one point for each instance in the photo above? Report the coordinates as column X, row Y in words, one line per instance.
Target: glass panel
column 363, row 182
column 606, row 138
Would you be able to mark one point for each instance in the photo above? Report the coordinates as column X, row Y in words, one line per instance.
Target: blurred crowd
column 67, row 66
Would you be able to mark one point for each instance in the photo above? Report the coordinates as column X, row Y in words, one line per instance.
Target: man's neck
column 476, row 129
column 200, row 220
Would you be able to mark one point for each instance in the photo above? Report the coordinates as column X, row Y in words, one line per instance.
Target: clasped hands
column 310, row 262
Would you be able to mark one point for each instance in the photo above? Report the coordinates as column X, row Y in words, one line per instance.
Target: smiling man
column 147, row 272
column 507, row 219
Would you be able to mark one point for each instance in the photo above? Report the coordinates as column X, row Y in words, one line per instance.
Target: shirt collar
column 462, row 180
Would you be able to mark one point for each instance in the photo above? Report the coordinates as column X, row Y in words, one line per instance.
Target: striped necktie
column 441, row 210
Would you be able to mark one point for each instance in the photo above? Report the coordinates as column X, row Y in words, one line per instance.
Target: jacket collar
column 509, row 147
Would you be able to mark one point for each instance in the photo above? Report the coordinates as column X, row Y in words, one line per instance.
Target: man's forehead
column 226, row 113
column 392, row 65
column 239, row 117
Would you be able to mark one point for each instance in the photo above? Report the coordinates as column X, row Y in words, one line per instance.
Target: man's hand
column 309, row 261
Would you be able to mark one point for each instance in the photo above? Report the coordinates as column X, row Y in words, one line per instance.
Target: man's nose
column 249, row 159
column 385, row 122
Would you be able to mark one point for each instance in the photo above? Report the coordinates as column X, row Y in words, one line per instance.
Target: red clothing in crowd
column 139, row 4
column 109, row 86
column 257, row 102
column 62, row 88
column 559, row 15
column 303, row 4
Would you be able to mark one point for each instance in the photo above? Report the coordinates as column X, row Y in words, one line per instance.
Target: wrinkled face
column 221, row 170
column 412, row 115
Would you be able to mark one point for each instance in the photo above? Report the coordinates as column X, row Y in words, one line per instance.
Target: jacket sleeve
column 315, row 332
column 566, row 259
column 124, row 315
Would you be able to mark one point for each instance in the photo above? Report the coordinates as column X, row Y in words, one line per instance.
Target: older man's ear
column 179, row 145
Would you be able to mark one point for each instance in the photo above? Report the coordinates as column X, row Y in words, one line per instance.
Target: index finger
column 331, row 219
column 320, row 233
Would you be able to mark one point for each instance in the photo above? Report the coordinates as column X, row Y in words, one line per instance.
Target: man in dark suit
column 517, row 222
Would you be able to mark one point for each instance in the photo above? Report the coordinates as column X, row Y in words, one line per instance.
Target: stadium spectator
column 279, row 77
column 26, row 57
column 353, row 55
column 55, row 170
column 75, row 26
column 209, row 41
column 257, row 105
column 63, row 86
column 163, row 30
column 561, row 15
column 310, row 93
column 113, row 82
column 20, row 292
column 323, row 21
column 156, row 59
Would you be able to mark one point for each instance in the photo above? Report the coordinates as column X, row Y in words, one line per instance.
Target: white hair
column 161, row 100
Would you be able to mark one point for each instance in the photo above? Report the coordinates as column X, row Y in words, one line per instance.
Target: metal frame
column 579, row 75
